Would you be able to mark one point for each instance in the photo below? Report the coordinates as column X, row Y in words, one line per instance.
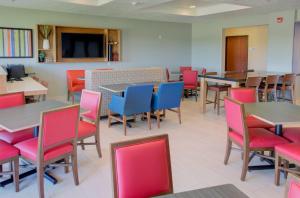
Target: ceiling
column 162, row 10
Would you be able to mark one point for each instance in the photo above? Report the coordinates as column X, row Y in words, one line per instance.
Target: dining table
column 120, row 87
column 278, row 114
column 234, row 79
column 221, row 191
column 28, row 116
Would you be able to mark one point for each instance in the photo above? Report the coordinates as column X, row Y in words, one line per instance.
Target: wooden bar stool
column 288, row 84
column 217, row 89
column 270, row 87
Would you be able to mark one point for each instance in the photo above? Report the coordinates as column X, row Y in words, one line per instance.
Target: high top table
column 24, row 117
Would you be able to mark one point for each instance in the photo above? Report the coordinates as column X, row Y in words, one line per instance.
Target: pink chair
column 292, row 187
column 8, row 101
column 89, row 122
column 182, row 69
column 56, row 141
column 249, row 95
column 248, row 139
column 141, row 168
column 10, row 154
column 190, row 80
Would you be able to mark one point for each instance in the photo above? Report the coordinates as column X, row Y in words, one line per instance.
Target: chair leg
column 277, row 171
column 196, row 95
column 215, row 100
column 66, row 160
column 292, row 96
column 109, row 118
column 16, row 173
column 228, row 151
column 218, row 102
column 82, row 144
column 125, row 125
column 1, row 169
column 245, row 165
column 149, row 120
column 40, row 179
column 74, row 167
column 158, row 118
column 98, row 144
column 275, row 95
column 179, row 114
column 286, row 166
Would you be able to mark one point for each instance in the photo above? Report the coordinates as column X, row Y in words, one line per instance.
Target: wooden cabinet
column 111, row 44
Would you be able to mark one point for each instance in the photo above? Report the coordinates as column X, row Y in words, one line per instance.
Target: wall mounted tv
column 82, row 45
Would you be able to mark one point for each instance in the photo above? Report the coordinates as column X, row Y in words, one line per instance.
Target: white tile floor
column 197, row 151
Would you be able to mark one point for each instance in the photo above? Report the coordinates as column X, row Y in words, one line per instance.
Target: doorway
column 236, row 53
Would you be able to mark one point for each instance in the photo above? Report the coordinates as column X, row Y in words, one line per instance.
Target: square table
column 119, row 88
column 24, row 117
column 222, row 191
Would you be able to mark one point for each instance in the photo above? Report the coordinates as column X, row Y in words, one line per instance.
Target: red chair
column 10, row 154
column 141, row 168
column 249, row 95
column 75, row 84
column 190, row 80
column 248, row 139
column 292, row 187
column 8, row 101
column 89, row 122
column 182, row 69
column 56, row 141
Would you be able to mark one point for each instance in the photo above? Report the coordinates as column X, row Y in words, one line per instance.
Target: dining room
column 138, row 99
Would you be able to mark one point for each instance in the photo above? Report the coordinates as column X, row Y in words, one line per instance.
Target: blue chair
column 167, row 97
column 136, row 100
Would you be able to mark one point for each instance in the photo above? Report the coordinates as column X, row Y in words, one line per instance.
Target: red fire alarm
column 279, row 19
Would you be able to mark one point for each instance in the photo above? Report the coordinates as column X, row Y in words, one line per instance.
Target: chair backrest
column 58, row 127
column 190, row 78
column 74, row 75
column 142, row 168
column 289, row 80
column 292, row 189
column 138, row 99
column 91, row 101
column 185, row 68
column 235, row 116
column 11, row 100
column 253, row 82
column 244, row 95
column 272, row 81
column 169, row 95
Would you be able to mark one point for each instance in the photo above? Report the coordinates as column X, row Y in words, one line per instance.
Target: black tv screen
column 76, row 45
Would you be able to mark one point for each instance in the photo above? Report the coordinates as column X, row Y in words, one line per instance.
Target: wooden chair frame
column 14, row 164
column 97, row 133
column 41, row 164
column 270, row 80
column 282, row 163
column 158, row 115
column 136, row 142
column 288, row 78
column 245, row 148
column 291, row 178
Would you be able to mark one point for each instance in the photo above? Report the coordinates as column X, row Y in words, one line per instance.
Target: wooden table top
column 118, row 88
column 29, row 86
column 223, row 191
column 274, row 113
column 26, row 116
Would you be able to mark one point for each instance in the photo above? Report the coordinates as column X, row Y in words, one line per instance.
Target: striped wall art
column 15, row 43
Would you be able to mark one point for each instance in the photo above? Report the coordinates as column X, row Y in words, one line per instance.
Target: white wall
column 141, row 45
column 207, row 40
column 257, row 44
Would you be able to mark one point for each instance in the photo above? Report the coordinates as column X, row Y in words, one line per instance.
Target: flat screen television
column 82, row 45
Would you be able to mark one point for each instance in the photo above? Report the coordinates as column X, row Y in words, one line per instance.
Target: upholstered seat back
column 190, row 78
column 73, row 80
column 292, row 187
column 244, row 95
column 12, row 100
column 142, row 168
column 138, row 99
column 91, row 102
column 182, row 69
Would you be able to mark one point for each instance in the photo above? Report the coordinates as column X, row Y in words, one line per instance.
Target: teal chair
column 136, row 100
column 167, row 97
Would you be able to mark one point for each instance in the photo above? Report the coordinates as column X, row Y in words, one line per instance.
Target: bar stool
column 217, row 89
column 288, row 83
column 270, row 87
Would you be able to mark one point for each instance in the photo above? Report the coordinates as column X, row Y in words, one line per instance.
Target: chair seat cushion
column 292, row 134
column 291, row 150
column 253, row 122
column 75, row 88
column 258, row 138
column 29, row 150
column 86, row 129
column 218, row 87
column 7, row 151
column 16, row 137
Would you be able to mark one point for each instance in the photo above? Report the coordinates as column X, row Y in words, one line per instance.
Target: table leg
column 36, row 131
column 203, row 95
column 278, row 129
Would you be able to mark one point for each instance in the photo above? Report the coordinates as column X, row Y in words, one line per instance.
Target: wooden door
column 236, row 57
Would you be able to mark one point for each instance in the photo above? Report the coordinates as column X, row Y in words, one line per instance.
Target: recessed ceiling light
column 134, row 3
column 192, row 6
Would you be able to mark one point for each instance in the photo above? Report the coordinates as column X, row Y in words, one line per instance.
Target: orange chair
column 75, row 84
